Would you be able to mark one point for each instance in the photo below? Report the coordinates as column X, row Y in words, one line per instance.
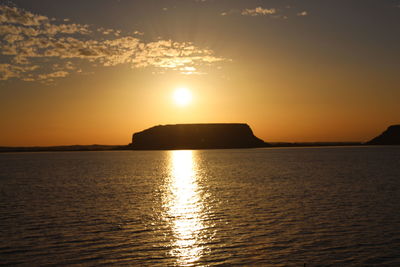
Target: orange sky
column 293, row 73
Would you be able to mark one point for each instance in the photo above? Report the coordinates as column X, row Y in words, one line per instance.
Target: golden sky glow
column 294, row 71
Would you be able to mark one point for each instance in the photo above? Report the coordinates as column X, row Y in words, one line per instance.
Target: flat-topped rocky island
column 196, row 136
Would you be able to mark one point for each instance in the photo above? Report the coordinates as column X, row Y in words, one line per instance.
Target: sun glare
column 182, row 97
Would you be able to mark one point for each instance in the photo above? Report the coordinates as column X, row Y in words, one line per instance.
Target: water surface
column 282, row 207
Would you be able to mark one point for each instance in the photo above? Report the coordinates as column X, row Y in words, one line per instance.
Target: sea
column 321, row 206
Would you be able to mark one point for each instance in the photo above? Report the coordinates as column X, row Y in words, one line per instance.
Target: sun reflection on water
column 184, row 207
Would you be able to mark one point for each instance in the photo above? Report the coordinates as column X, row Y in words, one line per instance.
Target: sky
column 96, row 71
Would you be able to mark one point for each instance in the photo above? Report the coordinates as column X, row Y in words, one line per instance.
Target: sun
column 182, row 97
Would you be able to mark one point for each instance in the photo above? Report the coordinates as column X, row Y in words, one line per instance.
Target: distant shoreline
column 172, row 136
column 127, row 147
column 63, row 148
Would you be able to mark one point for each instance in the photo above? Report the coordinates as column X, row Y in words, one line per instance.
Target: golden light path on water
column 184, row 207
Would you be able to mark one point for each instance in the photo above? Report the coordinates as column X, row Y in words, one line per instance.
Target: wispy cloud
column 258, row 11
column 275, row 13
column 36, row 48
column 18, row 16
column 303, row 13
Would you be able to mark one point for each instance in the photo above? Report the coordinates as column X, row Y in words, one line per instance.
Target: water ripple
column 277, row 207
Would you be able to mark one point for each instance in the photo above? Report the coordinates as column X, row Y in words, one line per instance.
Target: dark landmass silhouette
column 62, row 148
column 389, row 137
column 313, row 144
column 196, row 136
column 204, row 136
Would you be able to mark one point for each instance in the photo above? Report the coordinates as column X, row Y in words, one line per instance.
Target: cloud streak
column 302, row 14
column 258, row 11
column 36, row 48
column 274, row 13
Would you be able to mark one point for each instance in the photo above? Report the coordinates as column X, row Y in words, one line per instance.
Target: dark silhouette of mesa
column 196, row 136
column 389, row 137
column 205, row 136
